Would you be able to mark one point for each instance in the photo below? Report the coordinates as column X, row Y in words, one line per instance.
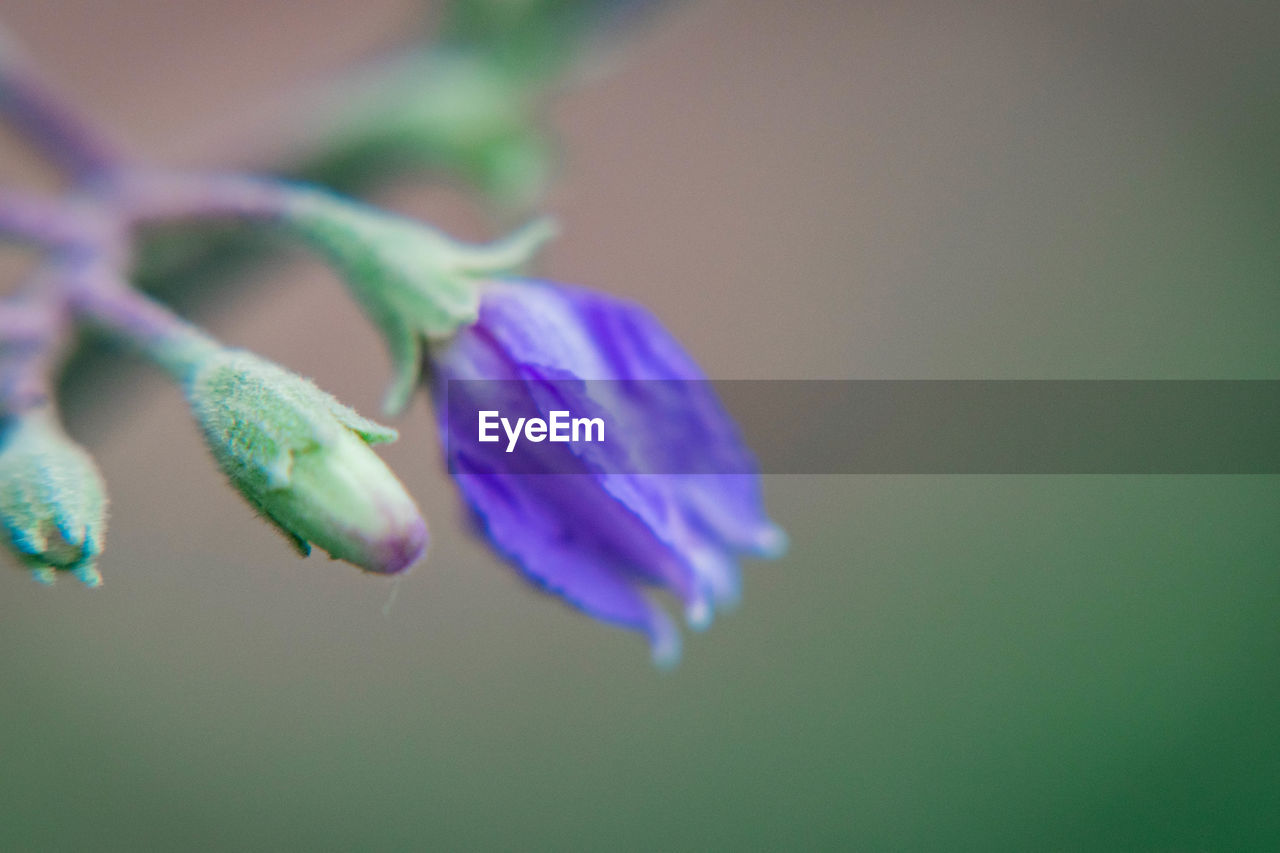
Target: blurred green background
column 808, row 190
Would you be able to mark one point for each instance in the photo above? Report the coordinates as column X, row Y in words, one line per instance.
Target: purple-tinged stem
column 52, row 223
column 22, row 325
column 144, row 197
column 102, row 300
column 41, row 114
column 33, row 327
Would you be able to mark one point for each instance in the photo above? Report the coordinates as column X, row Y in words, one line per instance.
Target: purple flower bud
column 596, row 532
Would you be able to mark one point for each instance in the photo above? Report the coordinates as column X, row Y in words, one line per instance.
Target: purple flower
column 596, row 530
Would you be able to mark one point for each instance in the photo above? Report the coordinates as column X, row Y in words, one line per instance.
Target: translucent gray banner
column 871, row 426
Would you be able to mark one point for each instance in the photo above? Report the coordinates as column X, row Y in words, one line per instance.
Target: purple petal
column 600, row 527
column 561, row 555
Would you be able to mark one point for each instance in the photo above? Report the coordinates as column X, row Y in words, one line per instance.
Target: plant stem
column 21, row 325
column 141, row 197
column 55, row 128
column 103, row 301
column 33, row 329
column 51, row 223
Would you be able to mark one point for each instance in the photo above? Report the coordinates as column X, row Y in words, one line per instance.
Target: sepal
column 414, row 282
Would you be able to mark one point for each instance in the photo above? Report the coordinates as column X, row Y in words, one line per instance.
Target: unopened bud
column 52, row 498
column 303, row 460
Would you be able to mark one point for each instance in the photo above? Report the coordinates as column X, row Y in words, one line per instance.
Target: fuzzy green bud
column 415, row 283
column 52, row 498
column 303, row 460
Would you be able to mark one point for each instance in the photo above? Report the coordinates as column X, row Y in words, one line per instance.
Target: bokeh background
column 800, row 190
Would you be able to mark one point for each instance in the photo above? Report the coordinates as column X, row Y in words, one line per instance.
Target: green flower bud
column 302, row 459
column 52, row 498
column 413, row 282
